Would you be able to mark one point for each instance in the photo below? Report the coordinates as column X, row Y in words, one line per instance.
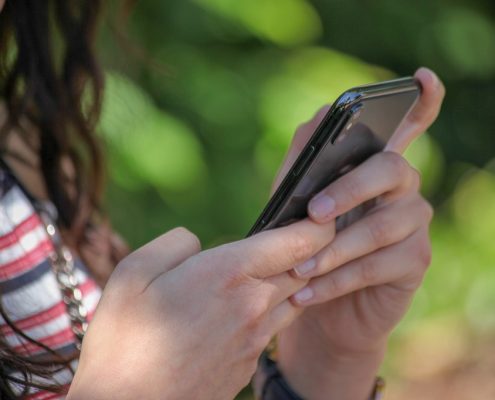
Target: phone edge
column 343, row 104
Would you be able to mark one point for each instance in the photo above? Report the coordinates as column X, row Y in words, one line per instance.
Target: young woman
column 176, row 322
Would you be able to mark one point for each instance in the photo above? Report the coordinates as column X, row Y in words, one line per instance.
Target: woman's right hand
column 177, row 323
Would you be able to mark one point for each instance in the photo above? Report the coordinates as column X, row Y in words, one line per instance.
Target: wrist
column 318, row 374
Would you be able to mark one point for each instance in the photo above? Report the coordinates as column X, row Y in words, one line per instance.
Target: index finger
column 385, row 173
column 423, row 114
column 272, row 252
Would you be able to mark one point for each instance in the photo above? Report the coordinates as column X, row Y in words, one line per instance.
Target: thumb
column 423, row 114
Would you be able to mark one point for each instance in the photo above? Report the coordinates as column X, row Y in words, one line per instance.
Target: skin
column 363, row 282
column 332, row 322
column 207, row 315
column 330, row 345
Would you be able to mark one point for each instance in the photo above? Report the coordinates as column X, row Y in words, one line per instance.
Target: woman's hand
column 177, row 323
column 364, row 281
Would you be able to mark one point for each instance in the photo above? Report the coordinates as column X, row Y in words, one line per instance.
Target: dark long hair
column 52, row 96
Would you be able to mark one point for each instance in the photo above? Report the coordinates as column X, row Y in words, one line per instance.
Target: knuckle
column 422, row 259
column 186, row 236
column 334, row 286
column 415, row 179
column 419, row 259
column 255, row 313
column 126, row 268
column 379, row 230
column 299, row 247
column 331, row 258
column 126, row 274
column 428, row 211
column 396, row 164
column 353, row 189
column 233, row 278
column 424, row 252
column 368, row 272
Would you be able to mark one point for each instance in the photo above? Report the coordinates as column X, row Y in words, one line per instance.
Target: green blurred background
column 204, row 96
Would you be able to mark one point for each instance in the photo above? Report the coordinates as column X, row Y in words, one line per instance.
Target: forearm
column 315, row 374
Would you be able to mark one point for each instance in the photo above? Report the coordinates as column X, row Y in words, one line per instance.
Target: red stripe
column 19, row 230
column 38, row 319
column 88, row 286
column 49, row 314
column 44, row 395
column 54, row 341
column 28, row 261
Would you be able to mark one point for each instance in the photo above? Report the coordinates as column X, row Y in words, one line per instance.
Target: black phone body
column 358, row 125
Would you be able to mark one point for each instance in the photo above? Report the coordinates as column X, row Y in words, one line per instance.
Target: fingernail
column 305, row 268
column 304, row 295
column 321, row 206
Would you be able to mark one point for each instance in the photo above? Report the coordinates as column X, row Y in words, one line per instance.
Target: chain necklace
column 62, row 263
column 61, row 260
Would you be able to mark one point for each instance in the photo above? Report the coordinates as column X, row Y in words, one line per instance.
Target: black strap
column 275, row 387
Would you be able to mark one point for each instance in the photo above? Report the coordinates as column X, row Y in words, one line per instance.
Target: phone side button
column 304, row 162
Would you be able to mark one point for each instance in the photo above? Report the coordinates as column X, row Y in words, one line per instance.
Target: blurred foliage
column 198, row 118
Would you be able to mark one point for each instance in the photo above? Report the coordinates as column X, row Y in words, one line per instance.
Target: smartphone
column 358, row 125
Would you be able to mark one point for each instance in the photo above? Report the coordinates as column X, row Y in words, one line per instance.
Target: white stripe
column 56, row 325
column 6, row 225
column 82, row 277
column 17, row 206
column 23, row 245
column 91, row 300
column 41, row 331
column 32, row 298
column 41, row 295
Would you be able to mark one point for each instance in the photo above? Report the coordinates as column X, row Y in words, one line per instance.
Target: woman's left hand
column 363, row 282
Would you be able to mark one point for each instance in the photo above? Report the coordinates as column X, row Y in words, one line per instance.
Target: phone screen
column 364, row 130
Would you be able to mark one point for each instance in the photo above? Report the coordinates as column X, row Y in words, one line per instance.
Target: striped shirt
column 29, row 290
